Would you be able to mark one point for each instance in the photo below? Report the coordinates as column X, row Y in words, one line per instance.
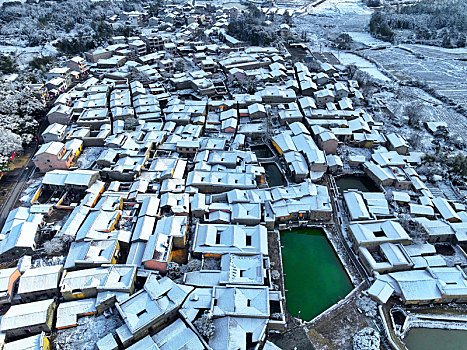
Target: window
column 218, row 238
column 248, row 240
column 141, row 313
column 242, row 273
column 248, row 302
column 379, row 234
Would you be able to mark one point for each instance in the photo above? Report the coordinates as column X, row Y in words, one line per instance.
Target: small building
column 27, row 319
column 36, row 342
column 397, row 143
column 153, row 306
column 40, row 283
column 60, row 114
column 53, row 155
column 8, row 279
column 54, row 132
column 77, row 64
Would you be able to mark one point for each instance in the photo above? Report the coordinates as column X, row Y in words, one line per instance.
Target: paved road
column 14, row 194
column 22, row 177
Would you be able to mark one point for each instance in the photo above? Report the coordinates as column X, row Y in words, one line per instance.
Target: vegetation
column 33, row 24
column 7, row 65
column 344, row 42
column 251, row 28
column 205, row 326
column 41, row 63
column 432, row 22
column 18, row 109
column 447, row 164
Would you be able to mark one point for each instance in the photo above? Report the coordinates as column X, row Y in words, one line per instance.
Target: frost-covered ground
column 24, row 55
column 88, row 157
column 84, row 337
column 363, row 64
column 28, row 193
column 340, row 8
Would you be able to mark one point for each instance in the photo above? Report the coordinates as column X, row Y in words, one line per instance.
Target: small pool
column 436, row 339
column 356, row 182
column 262, row 151
column 314, row 277
column 274, row 176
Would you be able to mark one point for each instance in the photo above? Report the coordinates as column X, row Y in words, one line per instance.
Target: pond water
column 274, row 176
column 314, row 277
column 262, row 151
column 356, row 182
column 436, row 339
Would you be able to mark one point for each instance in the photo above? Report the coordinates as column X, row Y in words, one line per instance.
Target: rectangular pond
column 274, row 176
column 314, row 276
column 356, row 182
column 436, row 339
column 262, row 151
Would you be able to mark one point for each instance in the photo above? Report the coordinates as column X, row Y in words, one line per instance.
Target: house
column 97, row 54
column 92, row 253
column 54, row 132
column 445, row 209
column 176, row 336
column 138, row 47
column 68, row 312
column 82, row 283
column 60, row 114
column 387, row 257
column 328, row 142
column 223, row 239
column 238, row 269
column 8, row 281
column 36, row 342
column 341, row 90
column 30, row 318
column 153, row 306
column 19, row 241
column 170, row 233
column 53, row 155
column 397, row 143
column 77, row 64
column 382, row 176
column 40, row 283
column 240, row 315
column 229, row 125
column 374, row 233
column 324, row 96
column 422, row 287
column 256, row 111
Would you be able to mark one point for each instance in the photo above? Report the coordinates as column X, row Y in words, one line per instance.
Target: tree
column 446, row 41
column 41, row 63
column 18, row 107
column 179, row 65
column 173, row 270
column 461, row 41
column 414, row 113
column 344, row 42
column 9, row 143
column 8, row 65
column 205, row 326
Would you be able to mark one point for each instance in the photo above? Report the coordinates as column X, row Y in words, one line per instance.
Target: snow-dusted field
column 339, row 7
column 347, row 58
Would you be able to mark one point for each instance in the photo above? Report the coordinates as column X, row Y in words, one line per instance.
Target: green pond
column 314, row 277
column 436, row 339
